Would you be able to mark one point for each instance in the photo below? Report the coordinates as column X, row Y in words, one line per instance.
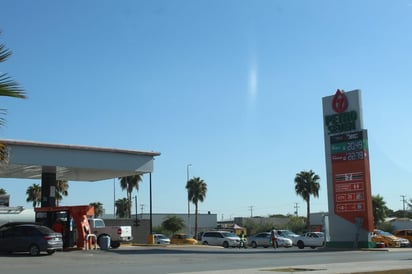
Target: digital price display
column 351, row 179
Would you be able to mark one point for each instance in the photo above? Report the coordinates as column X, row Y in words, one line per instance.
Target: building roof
column 28, row 160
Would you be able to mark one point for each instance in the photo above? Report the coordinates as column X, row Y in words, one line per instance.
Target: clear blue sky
column 232, row 87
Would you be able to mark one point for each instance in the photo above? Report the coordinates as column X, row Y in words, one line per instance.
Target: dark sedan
column 29, row 238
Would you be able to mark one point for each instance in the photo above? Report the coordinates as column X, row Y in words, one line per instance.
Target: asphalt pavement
column 376, row 267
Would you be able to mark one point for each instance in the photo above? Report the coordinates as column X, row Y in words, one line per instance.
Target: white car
column 221, row 238
column 263, row 239
column 310, row 239
column 161, row 239
column 287, row 234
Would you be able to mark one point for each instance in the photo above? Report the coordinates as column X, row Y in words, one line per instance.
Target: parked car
column 221, row 238
column 390, row 240
column 287, row 234
column 161, row 239
column 263, row 239
column 30, row 238
column 404, row 233
column 182, row 239
column 310, row 239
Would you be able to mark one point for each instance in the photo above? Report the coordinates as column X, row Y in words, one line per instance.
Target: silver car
column 263, row 239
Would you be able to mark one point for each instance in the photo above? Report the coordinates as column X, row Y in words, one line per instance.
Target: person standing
column 243, row 240
column 274, row 237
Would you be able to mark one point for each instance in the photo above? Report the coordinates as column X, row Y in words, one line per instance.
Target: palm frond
column 10, row 88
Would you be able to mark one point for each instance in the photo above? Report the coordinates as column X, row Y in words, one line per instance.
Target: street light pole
column 188, row 201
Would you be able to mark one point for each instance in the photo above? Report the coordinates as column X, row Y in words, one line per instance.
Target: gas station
column 58, row 162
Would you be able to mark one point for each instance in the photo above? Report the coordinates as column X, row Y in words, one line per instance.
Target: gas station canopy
column 28, row 160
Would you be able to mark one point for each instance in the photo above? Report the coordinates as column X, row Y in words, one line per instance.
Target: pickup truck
column 117, row 234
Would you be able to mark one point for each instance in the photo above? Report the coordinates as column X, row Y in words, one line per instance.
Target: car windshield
column 384, row 233
column 229, row 234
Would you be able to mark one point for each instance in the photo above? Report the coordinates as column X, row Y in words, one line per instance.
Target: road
column 158, row 260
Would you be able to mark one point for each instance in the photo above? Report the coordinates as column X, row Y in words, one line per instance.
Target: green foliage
column 129, row 183
column 3, row 191
column 33, row 193
column 160, row 230
column 173, row 224
column 122, row 207
column 306, row 185
column 379, row 209
column 385, row 226
column 196, row 192
column 98, row 208
column 296, row 224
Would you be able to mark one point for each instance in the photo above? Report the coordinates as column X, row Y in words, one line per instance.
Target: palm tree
column 307, row 184
column 62, row 187
column 379, row 209
column 98, row 208
column 129, row 183
column 33, row 193
column 122, row 207
column 9, row 88
column 196, row 189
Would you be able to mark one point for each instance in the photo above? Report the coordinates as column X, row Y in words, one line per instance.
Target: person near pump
column 243, row 240
column 274, row 237
column 86, row 231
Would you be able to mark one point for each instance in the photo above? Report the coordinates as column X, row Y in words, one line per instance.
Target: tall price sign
column 351, row 178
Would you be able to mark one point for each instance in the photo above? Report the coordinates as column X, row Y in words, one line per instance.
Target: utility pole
column 296, row 209
column 141, row 208
column 404, row 202
column 251, row 211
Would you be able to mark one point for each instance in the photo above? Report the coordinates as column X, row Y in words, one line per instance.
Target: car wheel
column 50, row 252
column 205, row 243
column 225, row 244
column 301, row 245
column 254, row 244
column 34, row 250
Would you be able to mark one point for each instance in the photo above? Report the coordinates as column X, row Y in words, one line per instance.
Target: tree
column 122, row 207
column 33, row 193
column 379, row 209
column 9, row 88
column 98, row 208
column 196, row 189
column 61, row 190
column 173, row 224
column 307, row 184
column 3, row 191
column 129, row 183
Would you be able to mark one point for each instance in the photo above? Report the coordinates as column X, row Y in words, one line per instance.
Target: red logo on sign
column 339, row 102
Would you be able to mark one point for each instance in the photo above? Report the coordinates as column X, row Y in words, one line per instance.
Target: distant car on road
column 310, row 239
column 30, row 238
column 182, row 239
column 161, row 239
column 263, row 239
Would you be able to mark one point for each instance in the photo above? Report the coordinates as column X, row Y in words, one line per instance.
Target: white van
column 221, row 238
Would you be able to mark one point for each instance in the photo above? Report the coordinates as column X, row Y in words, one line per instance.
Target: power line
column 296, row 209
column 403, row 202
column 251, row 211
